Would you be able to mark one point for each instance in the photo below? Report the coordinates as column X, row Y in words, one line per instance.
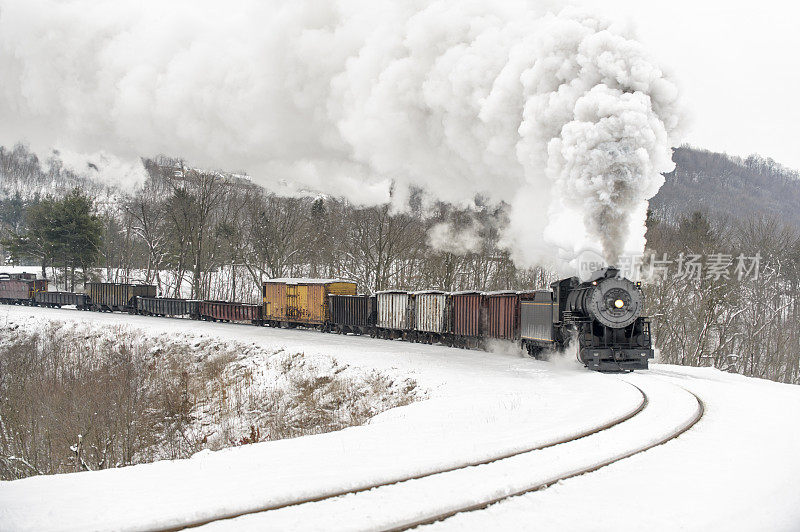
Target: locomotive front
column 606, row 311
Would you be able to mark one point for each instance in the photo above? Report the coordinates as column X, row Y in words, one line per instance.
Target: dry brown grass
column 75, row 399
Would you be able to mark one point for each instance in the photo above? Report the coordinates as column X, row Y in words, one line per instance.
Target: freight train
column 603, row 314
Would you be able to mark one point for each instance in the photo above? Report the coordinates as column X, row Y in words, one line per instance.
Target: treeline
column 739, row 310
column 215, row 236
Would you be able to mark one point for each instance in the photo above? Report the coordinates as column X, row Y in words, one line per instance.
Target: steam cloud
column 445, row 237
column 554, row 111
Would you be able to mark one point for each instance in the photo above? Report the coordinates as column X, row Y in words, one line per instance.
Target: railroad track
column 545, row 484
column 431, row 497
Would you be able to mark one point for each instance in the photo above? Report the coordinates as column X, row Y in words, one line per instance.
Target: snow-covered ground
column 737, row 469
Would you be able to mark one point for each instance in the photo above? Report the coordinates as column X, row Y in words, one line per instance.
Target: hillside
column 725, row 185
column 703, row 180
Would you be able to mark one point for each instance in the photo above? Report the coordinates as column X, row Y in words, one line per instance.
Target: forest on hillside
column 728, row 187
column 211, row 235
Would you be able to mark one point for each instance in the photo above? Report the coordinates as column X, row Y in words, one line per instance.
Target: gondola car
column 468, row 318
column 63, row 299
column 228, row 311
column 353, row 314
column 395, row 314
column 117, row 296
column 167, row 306
column 431, row 323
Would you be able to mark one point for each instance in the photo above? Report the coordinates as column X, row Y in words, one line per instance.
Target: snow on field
column 736, row 469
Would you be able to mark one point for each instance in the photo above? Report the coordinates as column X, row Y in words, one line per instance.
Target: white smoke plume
column 105, row 167
column 444, row 237
column 554, row 111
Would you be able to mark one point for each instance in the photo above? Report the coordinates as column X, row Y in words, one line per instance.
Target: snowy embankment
column 479, row 404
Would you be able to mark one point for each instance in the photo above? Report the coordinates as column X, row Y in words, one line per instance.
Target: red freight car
column 225, row 311
column 502, row 315
column 468, row 311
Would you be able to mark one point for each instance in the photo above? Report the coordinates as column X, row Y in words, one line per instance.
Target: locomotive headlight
column 619, row 303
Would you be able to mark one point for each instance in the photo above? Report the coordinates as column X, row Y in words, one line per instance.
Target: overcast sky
column 738, row 64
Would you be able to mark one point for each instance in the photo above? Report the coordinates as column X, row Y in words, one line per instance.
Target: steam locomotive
column 603, row 314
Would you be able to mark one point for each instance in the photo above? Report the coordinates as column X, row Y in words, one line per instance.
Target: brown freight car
column 468, row 311
column 502, row 315
column 117, row 296
column 227, row 311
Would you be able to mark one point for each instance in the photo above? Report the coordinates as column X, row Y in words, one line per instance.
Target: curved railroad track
column 429, row 498
column 640, row 406
column 416, row 495
column 545, row 484
column 406, row 503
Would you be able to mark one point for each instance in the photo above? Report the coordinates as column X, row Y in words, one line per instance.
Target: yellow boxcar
column 274, row 300
column 302, row 301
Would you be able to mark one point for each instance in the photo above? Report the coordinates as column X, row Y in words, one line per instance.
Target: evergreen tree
column 62, row 233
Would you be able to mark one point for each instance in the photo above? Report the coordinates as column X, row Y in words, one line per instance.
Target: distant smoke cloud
column 557, row 113
column 447, row 238
column 105, row 167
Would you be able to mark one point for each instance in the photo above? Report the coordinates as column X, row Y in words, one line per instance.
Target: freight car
column 227, row 311
column 395, row 314
column 166, row 306
column 63, row 299
column 431, row 318
column 502, row 315
column 290, row 302
column 117, row 296
column 353, row 314
column 468, row 315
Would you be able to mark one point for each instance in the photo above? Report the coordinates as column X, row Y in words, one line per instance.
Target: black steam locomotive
column 604, row 315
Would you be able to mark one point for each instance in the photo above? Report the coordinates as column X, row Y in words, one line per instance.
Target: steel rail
column 340, row 493
column 543, row 485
